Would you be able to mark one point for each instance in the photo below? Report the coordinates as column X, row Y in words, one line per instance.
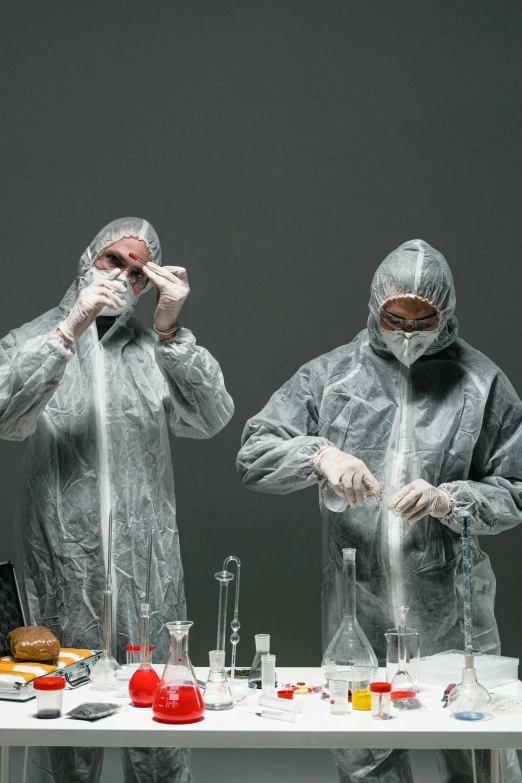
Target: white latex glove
column 91, row 301
column 172, row 288
column 418, row 499
column 347, row 475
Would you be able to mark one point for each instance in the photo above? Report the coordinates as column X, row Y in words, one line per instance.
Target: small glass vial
column 217, row 695
column 380, row 692
column 268, row 674
column 338, row 697
column 49, row 696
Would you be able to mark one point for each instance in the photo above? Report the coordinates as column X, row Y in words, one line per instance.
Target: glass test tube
column 268, row 674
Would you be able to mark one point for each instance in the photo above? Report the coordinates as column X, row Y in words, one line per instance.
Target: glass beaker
column 217, row 695
column 362, row 677
column 178, row 698
column 411, row 638
column 349, row 647
column 338, row 697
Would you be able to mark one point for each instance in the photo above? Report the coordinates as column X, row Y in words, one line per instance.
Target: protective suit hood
column 415, row 269
column 109, row 234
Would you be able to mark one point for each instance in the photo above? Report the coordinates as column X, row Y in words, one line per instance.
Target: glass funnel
column 178, row 698
column 349, row 646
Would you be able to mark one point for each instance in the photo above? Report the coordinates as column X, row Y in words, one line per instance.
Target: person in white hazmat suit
column 93, row 393
column 410, row 406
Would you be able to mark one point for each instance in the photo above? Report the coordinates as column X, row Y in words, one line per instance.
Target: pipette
column 103, row 674
column 402, row 680
column 145, row 681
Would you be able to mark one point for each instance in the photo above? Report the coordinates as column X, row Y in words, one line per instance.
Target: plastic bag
column 33, row 643
column 93, row 710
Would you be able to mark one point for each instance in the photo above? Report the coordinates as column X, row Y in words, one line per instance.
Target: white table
column 431, row 728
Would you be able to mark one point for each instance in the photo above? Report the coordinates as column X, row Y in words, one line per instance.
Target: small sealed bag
column 93, row 710
column 33, row 643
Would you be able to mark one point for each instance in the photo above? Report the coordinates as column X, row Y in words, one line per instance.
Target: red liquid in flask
column 178, row 704
column 143, row 686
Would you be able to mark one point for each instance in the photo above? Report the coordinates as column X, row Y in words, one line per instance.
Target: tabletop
column 431, row 727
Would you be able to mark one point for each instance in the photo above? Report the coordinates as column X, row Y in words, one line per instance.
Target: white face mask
column 129, row 299
column 408, row 346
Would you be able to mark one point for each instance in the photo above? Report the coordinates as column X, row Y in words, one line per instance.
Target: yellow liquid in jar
column 362, row 700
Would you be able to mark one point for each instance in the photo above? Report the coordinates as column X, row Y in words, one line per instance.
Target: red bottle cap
column 128, row 648
column 151, row 648
column 136, row 648
column 49, row 684
column 380, row 687
column 286, row 693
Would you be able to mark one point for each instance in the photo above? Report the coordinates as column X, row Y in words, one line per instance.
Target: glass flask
column 469, row 700
column 178, row 698
column 262, row 648
column 217, row 695
column 144, row 682
column 349, row 646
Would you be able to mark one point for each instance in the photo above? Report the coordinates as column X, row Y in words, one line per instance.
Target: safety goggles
column 418, row 324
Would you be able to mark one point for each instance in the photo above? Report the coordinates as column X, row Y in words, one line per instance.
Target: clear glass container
column 178, row 698
column 362, row 677
column 262, row 647
column 469, row 700
column 217, row 695
column 349, row 646
column 144, row 681
column 380, row 698
column 268, row 687
column 338, row 697
column 412, row 663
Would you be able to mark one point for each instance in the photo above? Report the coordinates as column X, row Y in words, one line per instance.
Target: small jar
column 338, row 697
column 380, row 692
column 49, row 696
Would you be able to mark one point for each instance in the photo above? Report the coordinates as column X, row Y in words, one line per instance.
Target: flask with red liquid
column 144, row 682
column 178, row 699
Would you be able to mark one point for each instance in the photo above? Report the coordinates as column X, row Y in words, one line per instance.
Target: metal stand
column 495, row 759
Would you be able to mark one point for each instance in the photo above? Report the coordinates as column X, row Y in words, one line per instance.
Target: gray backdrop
column 281, row 150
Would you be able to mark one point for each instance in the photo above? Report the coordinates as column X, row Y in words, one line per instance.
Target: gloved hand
column 172, row 288
column 347, row 475
column 91, row 301
column 418, row 499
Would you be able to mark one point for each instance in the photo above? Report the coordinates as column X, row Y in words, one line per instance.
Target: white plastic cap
column 349, row 554
column 263, row 642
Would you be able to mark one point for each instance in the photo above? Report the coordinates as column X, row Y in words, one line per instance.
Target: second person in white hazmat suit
column 409, row 405
column 93, row 393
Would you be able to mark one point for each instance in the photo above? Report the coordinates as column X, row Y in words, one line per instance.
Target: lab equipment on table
column 93, row 710
column 362, row 677
column 268, row 687
column 224, row 577
column 275, row 703
column 402, row 681
column 349, row 646
column 492, row 670
column 284, row 715
column 217, row 694
column 412, row 661
column 285, row 693
column 104, row 671
column 468, row 700
column 380, row 697
column 262, row 648
column 178, row 698
column 49, row 696
column 144, row 682
column 338, row 697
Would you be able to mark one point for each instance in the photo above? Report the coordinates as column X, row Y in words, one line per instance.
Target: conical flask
column 178, row 698
column 217, row 695
column 349, row 646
